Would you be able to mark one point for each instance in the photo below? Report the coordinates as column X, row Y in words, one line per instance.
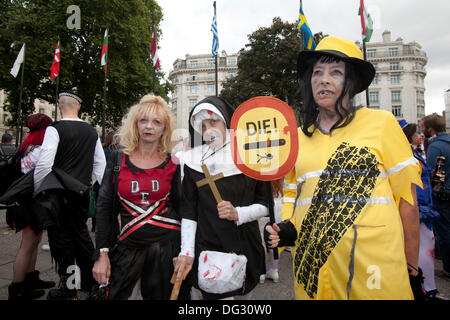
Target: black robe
column 222, row 235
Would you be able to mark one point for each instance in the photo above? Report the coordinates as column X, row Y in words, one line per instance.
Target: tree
column 40, row 22
column 268, row 66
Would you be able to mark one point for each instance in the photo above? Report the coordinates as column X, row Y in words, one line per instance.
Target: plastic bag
column 220, row 272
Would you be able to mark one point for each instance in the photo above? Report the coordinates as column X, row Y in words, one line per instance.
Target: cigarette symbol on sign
column 264, row 144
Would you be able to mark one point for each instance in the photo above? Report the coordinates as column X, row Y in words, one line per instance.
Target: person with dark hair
column 26, row 283
column 427, row 213
column 6, row 138
column 110, row 144
column 9, row 167
column 433, row 127
column 354, row 223
column 214, row 224
column 73, row 148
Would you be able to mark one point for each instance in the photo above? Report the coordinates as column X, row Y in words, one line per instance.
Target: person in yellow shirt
column 349, row 205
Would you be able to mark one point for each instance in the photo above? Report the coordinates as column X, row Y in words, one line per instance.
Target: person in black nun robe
column 230, row 226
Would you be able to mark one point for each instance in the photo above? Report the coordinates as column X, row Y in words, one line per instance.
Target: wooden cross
column 210, row 180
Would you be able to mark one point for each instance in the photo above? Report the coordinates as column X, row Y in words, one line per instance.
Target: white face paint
column 150, row 127
column 327, row 83
column 213, row 132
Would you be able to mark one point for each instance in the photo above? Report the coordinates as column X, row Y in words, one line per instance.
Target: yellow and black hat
column 344, row 50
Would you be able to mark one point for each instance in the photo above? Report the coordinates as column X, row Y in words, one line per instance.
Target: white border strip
column 374, row 200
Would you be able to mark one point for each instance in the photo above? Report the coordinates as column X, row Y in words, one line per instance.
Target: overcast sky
column 186, row 29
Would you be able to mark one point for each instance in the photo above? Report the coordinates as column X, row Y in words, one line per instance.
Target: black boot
column 20, row 291
column 33, row 281
column 62, row 292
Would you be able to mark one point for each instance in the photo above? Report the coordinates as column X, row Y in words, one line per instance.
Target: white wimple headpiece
column 202, row 112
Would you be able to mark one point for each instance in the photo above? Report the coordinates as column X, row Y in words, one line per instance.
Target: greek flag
column 215, row 43
column 308, row 38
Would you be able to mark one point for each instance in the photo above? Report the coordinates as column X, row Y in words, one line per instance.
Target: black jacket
column 47, row 202
column 107, row 221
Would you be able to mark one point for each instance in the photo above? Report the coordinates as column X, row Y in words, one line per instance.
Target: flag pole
column 364, row 36
column 104, row 85
column 19, row 128
column 365, row 59
column 154, row 66
column 57, row 85
column 216, row 72
column 302, row 44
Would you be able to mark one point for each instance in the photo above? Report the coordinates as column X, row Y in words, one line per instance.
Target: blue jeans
column 441, row 228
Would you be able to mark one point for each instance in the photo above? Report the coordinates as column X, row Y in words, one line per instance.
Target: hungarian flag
column 105, row 50
column 154, row 51
column 366, row 22
column 54, row 69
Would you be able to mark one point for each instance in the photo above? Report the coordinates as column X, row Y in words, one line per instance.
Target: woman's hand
column 227, row 211
column 182, row 264
column 102, row 269
column 274, row 238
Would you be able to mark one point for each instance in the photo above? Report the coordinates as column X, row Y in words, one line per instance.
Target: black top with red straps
column 147, row 201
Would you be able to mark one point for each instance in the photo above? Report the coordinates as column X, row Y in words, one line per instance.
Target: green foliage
column 268, row 66
column 40, row 22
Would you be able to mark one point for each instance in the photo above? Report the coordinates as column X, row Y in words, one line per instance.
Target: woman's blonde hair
column 128, row 132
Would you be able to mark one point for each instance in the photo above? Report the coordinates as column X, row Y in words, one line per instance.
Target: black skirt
column 152, row 264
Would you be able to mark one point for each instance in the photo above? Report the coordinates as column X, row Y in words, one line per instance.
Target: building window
column 211, row 76
column 231, row 61
column 192, row 103
column 211, row 63
column 231, row 75
column 5, row 118
column 420, row 112
column 397, row 111
column 394, row 66
column 193, row 64
column 193, row 89
column 374, row 97
column 41, row 110
column 193, row 77
column 375, row 80
column 375, row 65
column 396, row 96
column 395, row 79
column 419, row 79
column 420, row 97
column 211, row 88
column 393, row 52
column 371, row 53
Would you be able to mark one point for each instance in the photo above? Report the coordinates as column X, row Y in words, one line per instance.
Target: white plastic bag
column 220, row 272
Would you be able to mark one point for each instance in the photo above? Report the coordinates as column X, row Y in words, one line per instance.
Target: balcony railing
column 399, row 53
column 203, row 65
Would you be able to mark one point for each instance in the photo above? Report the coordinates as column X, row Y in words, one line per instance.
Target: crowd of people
column 360, row 210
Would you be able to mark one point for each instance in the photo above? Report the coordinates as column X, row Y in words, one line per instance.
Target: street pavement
column 283, row 290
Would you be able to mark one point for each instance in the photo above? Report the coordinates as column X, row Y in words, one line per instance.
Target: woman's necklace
column 209, row 147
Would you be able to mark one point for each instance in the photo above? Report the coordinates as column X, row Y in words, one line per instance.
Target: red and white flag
column 154, row 51
column 104, row 58
column 54, row 69
column 366, row 22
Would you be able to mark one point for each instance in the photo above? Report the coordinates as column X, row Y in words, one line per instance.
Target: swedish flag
column 308, row 38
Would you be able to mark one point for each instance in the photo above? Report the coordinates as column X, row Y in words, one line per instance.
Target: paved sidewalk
column 283, row 290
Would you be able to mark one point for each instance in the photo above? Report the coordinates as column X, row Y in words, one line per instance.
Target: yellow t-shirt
column 350, row 238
